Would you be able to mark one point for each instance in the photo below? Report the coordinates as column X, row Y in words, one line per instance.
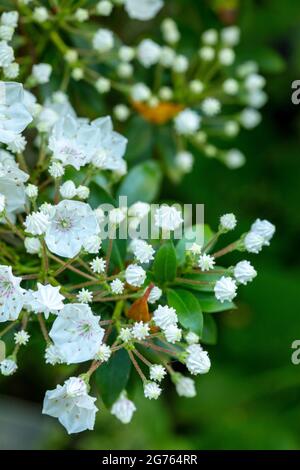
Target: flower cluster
column 103, row 300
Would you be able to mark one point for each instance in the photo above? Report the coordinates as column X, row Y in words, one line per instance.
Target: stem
column 191, row 281
column 136, row 366
column 14, row 228
column 142, row 358
column 157, row 348
column 71, row 268
column 226, row 250
column 211, row 241
column 44, row 328
column 109, row 251
column 8, row 328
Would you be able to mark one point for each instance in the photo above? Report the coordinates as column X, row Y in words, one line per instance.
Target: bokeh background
column 251, row 397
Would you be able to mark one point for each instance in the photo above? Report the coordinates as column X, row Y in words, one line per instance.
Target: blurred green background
column 250, row 399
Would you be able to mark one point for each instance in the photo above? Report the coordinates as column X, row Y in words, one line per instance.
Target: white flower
column 40, row 14
column 104, row 7
column 253, row 242
column 71, row 226
column 206, row 262
column 10, row 18
column 12, row 296
column 226, row 56
column 14, row 114
column 72, row 405
column 180, row 64
column 116, row 216
column 264, row 228
column 230, row 35
column 135, row 275
column 99, row 214
column 125, row 335
column 164, row 316
column 225, row 289
column 21, row 337
column 157, row 372
column 103, row 40
column 36, row 223
column 197, row 361
column 81, row 14
column 184, row 161
column 6, row 54
column 234, row 158
column 103, row 85
column 12, row 70
column 121, row 112
column 98, row 265
column 53, row 355
column 56, row 170
column 6, row 32
column 92, row 244
column 2, row 203
column 244, row 272
column 143, row 9
column 211, row 107
column 68, row 190
column 148, row 52
column 195, row 248
column 168, row 217
column 104, row 353
column 210, row 37
column 173, row 333
column 41, row 73
column 140, row 330
column 139, row 209
column 140, row 92
column 192, row 338
column 117, row 286
column 31, row 191
column 77, row 333
column 250, row 118
column 185, row 387
column 111, row 145
column 152, row 390
column 187, row 122
column 18, row 145
column 46, row 299
column 155, row 295
column 123, row 409
column 82, row 192
column 32, row 245
column 47, row 209
column 84, row 296
column 8, row 366
column 228, row 222
column 143, row 251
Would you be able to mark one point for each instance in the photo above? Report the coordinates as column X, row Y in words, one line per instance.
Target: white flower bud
column 157, row 372
column 254, row 242
column 68, row 190
column 40, row 14
column 135, row 275
column 41, row 73
column 32, row 245
column 185, row 387
column 103, row 40
column 197, row 361
column 152, row 390
column 81, row 15
column 103, row 85
column 123, row 409
column 140, row 92
column 8, row 366
column 121, row 112
column 104, row 8
column 36, row 223
column 244, row 272
column 82, row 192
column 31, row 191
column 225, row 289
column 228, row 222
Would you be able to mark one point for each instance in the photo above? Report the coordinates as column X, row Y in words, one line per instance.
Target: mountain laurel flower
column 140, row 330
column 140, row 92
column 265, row 229
column 11, row 294
column 68, row 190
column 225, row 289
column 2, row 203
column 192, row 338
column 41, row 73
column 92, row 244
column 21, row 338
column 123, row 409
column 72, row 405
column 253, row 242
column 228, row 222
column 47, row 299
column 185, row 387
column 135, row 275
column 84, row 296
column 31, row 191
column 104, row 353
column 143, row 9
column 32, row 245
column 206, row 262
column 117, row 286
column 125, row 335
column 98, row 265
column 152, row 390
column 148, row 52
column 197, row 360
column 168, row 217
column 211, row 107
column 36, row 223
column 187, row 122
column 164, row 316
column 8, row 366
column 143, row 251
column 15, row 116
column 157, row 372
column 6, row 54
column 103, row 40
column 77, row 333
column 155, row 295
column 173, row 334
column 244, row 272
column 53, row 355
column 56, row 170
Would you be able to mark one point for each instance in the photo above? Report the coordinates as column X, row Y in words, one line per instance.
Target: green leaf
column 118, row 253
column 112, row 377
column 210, row 304
column 165, row 263
column 187, row 308
column 98, row 195
column 210, row 332
column 205, row 233
column 142, row 183
column 140, row 139
column 206, row 282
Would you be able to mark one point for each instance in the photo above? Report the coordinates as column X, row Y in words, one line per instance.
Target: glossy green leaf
column 112, row 377
column 187, row 308
column 210, row 304
column 142, row 183
column 210, row 332
column 165, row 263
